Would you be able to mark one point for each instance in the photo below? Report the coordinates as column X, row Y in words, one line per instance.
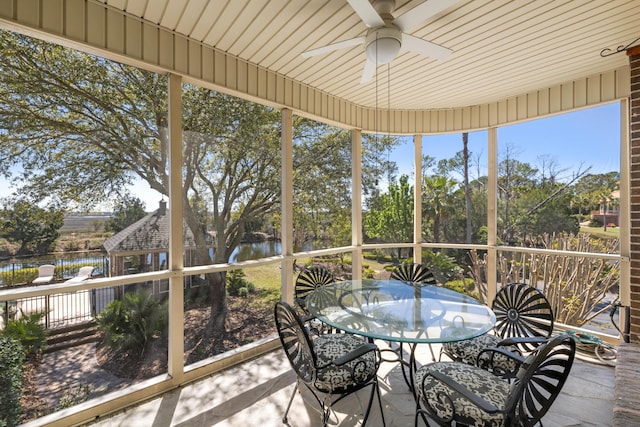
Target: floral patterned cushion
column 336, row 378
column 467, row 351
column 480, row 382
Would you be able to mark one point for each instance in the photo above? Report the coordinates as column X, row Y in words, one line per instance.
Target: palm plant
column 130, row 323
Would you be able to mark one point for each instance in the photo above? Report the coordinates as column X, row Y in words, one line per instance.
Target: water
column 244, row 252
column 249, row 251
column 60, row 260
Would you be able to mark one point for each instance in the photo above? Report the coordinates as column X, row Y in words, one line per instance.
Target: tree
column 126, row 211
column 514, row 179
column 390, row 215
column 81, row 128
column 593, row 190
column 34, row 228
column 467, row 188
column 438, row 203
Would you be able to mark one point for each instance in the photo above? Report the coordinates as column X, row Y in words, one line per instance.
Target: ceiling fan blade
column 334, row 46
column 424, row 47
column 369, row 71
column 416, row 16
column 366, row 12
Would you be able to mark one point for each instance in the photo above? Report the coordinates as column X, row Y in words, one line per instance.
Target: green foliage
column 463, row 286
column 126, row 211
column 28, row 330
column 439, row 203
column 368, row 273
column 11, row 357
column 237, row 285
column 390, row 215
column 35, row 229
column 595, row 222
column 129, row 324
column 443, row 267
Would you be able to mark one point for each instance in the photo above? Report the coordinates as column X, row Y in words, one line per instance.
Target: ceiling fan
column 387, row 35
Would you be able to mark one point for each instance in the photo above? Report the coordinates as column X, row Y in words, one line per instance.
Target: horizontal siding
column 107, row 31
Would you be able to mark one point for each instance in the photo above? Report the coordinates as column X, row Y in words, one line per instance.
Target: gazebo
column 142, row 247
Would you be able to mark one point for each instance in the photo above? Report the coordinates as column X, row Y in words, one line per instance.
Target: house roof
column 149, row 234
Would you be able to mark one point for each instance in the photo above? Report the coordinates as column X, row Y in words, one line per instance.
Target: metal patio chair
column 330, row 366
column 470, row 395
column 414, row 273
column 524, row 320
column 307, row 281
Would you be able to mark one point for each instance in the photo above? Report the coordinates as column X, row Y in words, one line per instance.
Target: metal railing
column 23, row 270
column 63, row 309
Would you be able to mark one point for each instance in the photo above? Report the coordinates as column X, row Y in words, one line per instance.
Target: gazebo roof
column 149, row 234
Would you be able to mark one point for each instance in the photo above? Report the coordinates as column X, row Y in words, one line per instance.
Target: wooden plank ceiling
column 501, row 48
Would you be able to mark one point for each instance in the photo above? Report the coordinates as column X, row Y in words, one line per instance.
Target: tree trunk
column 467, row 190
column 216, row 324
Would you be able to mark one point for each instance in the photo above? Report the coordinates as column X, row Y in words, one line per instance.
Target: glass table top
column 400, row 311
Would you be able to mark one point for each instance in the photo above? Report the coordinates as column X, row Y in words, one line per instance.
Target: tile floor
column 257, row 392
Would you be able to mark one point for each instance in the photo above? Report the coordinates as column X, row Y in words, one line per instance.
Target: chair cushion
column 331, row 378
column 467, row 351
column 480, row 382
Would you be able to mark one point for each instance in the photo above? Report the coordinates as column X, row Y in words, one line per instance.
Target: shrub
column 237, row 285
column 463, row 286
column 369, row 273
column 130, row 323
column 28, row 330
column 11, row 357
column 595, row 222
column 442, row 266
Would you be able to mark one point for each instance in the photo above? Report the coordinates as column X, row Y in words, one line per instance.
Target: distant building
column 143, row 247
column 608, row 212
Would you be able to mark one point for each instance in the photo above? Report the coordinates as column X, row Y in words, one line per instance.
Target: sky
column 573, row 141
column 576, row 140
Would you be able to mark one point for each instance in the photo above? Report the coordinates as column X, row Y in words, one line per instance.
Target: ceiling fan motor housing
column 383, row 44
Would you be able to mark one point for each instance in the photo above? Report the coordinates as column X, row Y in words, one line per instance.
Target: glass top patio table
column 400, row 311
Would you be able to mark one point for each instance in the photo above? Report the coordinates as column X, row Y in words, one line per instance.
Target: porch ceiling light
column 383, row 44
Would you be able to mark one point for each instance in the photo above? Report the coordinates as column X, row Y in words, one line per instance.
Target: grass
column 268, row 278
column 612, row 232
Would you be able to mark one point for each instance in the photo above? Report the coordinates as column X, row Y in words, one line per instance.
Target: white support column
column 492, row 215
column 176, row 262
column 625, row 214
column 287, row 204
column 356, row 203
column 417, row 198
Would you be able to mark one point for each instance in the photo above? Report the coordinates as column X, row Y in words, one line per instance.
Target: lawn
column 612, row 232
column 268, row 277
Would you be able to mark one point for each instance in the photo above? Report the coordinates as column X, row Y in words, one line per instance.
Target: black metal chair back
column 450, row 392
column 415, row 273
column 295, row 341
column 308, row 280
column 522, row 311
column 539, row 381
column 335, row 364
